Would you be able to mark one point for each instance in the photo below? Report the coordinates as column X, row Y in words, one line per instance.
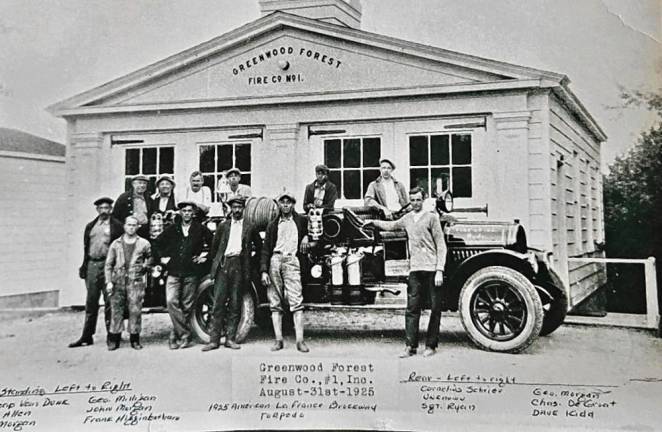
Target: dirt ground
column 34, row 351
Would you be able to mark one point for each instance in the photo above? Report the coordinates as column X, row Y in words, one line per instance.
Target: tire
column 202, row 307
column 555, row 308
column 500, row 310
column 263, row 318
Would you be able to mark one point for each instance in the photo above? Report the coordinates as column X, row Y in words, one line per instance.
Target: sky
column 51, row 50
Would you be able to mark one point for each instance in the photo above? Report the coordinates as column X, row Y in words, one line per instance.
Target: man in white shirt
column 385, row 192
column 231, row 253
column 198, row 194
column 237, row 189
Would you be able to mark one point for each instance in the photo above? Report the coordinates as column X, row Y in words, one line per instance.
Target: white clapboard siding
column 31, row 224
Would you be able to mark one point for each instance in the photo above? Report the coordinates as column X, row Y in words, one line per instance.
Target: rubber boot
column 114, row 341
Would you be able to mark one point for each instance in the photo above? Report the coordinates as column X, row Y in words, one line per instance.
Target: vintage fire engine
column 506, row 293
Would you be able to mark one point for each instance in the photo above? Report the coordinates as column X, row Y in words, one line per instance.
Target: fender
column 494, row 257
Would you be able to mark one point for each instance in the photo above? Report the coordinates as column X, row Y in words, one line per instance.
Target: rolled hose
column 259, row 211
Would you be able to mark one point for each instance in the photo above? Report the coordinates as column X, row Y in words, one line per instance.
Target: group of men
column 117, row 256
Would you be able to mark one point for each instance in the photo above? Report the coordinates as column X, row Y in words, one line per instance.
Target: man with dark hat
column 182, row 243
column 135, row 202
column 231, row 253
column 321, row 193
column 164, row 198
column 285, row 242
column 385, row 192
column 98, row 235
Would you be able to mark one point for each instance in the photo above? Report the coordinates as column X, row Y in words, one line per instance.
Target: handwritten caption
column 454, row 393
column 113, row 402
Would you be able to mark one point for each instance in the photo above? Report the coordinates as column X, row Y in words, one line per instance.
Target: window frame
column 218, row 175
column 429, row 167
column 141, row 148
column 360, row 169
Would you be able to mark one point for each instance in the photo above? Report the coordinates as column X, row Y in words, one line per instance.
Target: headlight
column 316, row 271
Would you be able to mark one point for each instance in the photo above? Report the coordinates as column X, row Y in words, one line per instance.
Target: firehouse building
column 304, row 85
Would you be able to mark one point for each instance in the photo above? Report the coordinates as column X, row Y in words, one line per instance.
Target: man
column 96, row 240
column 199, row 194
column 427, row 251
column 128, row 259
column 183, row 243
column 284, row 243
column 321, row 193
column 164, row 199
column 386, row 193
column 135, row 202
column 231, row 253
column 237, row 189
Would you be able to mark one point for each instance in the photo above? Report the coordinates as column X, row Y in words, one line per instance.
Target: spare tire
column 260, row 211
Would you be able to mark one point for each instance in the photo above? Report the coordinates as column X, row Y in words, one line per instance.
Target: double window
column 151, row 162
column 353, row 163
column 441, row 158
column 216, row 159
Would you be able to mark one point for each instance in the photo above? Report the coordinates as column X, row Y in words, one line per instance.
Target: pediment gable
column 283, row 55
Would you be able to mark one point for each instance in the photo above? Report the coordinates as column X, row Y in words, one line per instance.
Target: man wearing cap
column 321, row 193
column 164, row 198
column 285, row 243
column 231, row 253
column 386, row 193
column 183, row 243
column 237, row 189
column 135, row 202
column 98, row 235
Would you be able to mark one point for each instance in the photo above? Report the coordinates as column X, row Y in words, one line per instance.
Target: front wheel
column 500, row 309
column 202, row 308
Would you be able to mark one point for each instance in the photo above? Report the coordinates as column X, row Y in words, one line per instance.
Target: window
column 216, row 159
column 353, row 163
column 441, row 156
column 151, row 162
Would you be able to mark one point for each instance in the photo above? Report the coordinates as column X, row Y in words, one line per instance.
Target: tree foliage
column 633, row 206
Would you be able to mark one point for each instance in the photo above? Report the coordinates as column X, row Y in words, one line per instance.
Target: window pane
column 151, row 185
column 462, row 182
column 352, row 184
column 149, row 160
column 368, row 176
column 224, row 157
column 245, row 179
column 419, row 177
column 334, row 177
column 444, row 175
column 461, row 149
column 166, row 160
column 352, row 153
column 332, row 153
column 371, row 152
column 127, row 185
column 132, row 162
column 243, row 157
column 209, row 180
column 418, row 151
column 207, row 158
column 439, row 150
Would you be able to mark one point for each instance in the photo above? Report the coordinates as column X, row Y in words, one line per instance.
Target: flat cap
column 323, row 168
column 104, row 200
column 237, row 199
column 233, row 171
column 287, row 194
column 139, row 177
column 166, row 178
column 182, row 204
column 388, row 161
